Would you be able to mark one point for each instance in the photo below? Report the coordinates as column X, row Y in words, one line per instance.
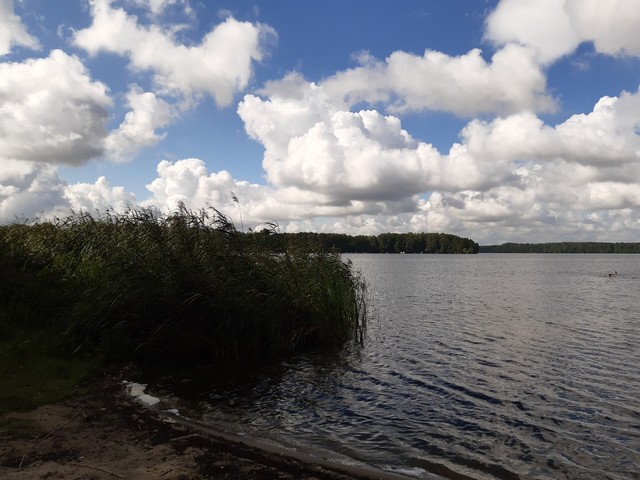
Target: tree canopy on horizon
column 562, row 247
column 384, row 243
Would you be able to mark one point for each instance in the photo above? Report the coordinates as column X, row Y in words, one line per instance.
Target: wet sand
column 105, row 434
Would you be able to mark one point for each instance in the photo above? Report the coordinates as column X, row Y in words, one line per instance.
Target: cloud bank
column 360, row 172
column 336, row 155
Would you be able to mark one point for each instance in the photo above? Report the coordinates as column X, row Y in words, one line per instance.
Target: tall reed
column 142, row 284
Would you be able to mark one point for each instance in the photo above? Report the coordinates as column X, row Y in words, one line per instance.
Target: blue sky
column 499, row 120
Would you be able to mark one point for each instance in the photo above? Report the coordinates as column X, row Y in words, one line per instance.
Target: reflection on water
column 493, row 366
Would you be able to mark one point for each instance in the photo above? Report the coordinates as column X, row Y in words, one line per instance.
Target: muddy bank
column 105, row 434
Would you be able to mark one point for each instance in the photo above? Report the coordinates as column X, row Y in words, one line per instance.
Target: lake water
column 488, row 366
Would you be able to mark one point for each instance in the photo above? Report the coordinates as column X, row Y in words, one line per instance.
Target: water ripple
column 488, row 366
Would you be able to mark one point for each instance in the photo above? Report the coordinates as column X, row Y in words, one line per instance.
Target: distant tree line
column 383, row 243
column 562, row 247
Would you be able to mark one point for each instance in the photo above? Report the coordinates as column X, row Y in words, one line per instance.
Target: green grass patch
column 31, row 375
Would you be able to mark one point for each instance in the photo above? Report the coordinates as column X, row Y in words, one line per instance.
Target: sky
column 496, row 120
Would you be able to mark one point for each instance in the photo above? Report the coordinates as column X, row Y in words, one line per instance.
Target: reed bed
column 144, row 284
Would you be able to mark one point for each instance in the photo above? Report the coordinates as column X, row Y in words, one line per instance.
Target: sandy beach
column 105, row 434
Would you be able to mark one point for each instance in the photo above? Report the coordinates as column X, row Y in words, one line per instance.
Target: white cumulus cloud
column 29, row 190
column 612, row 26
column 312, row 145
column 188, row 181
column 465, row 85
column 556, row 27
column 606, row 138
column 98, row 196
column 220, row 65
column 12, row 30
column 52, row 111
column 367, row 156
column 139, row 127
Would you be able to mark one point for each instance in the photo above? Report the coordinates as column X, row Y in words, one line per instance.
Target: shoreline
column 351, row 471
column 105, row 433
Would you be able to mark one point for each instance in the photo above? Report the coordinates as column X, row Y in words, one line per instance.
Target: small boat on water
column 614, row 274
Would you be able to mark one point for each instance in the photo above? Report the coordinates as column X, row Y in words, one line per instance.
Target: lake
column 489, row 366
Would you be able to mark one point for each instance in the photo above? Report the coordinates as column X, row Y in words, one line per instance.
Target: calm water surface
column 491, row 366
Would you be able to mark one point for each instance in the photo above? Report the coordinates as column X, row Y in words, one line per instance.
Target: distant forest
column 383, row 243
column 562, row 247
